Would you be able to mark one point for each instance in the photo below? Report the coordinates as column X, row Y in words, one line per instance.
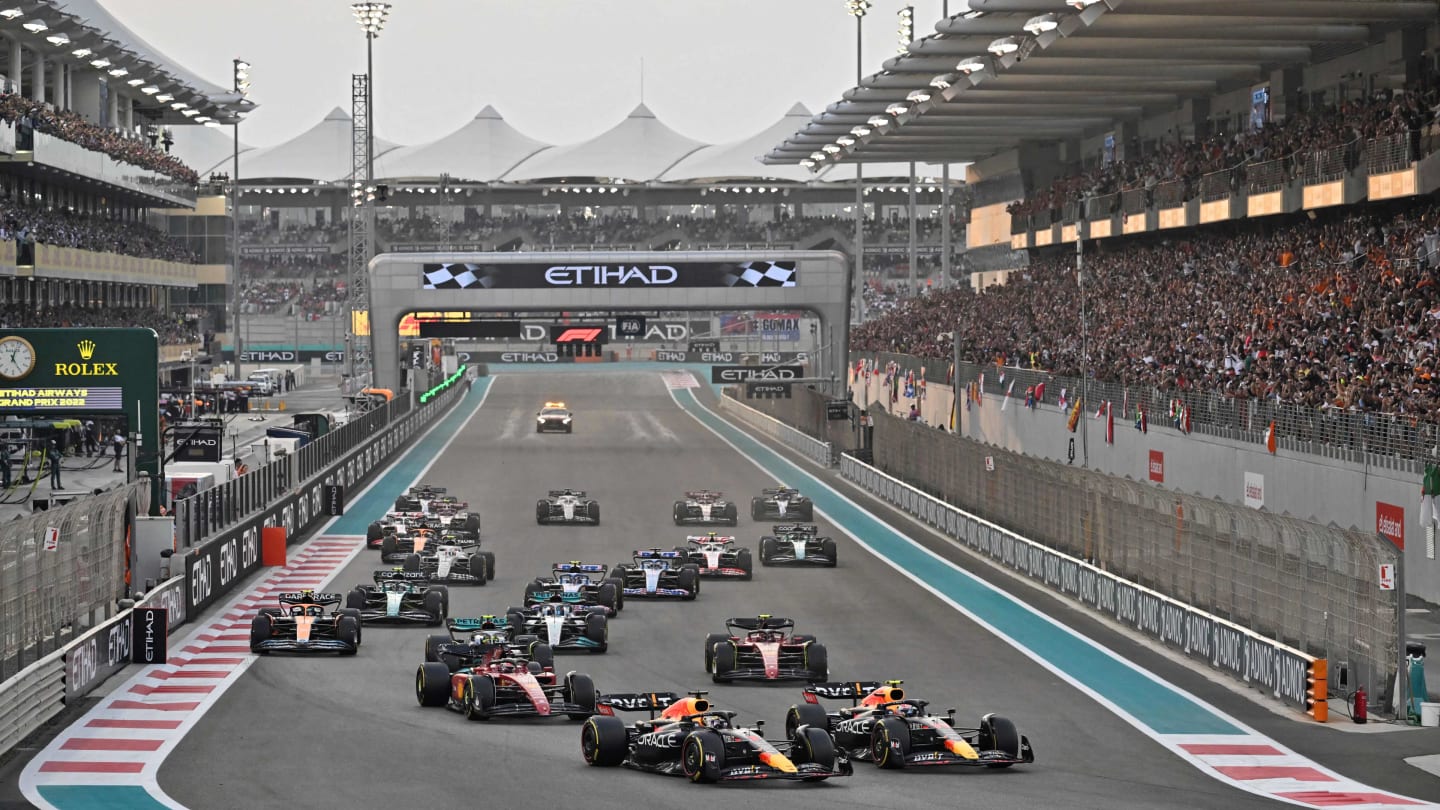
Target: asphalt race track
column 331, row 732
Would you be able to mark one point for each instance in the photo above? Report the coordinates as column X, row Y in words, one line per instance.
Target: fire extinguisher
column 1359, row 712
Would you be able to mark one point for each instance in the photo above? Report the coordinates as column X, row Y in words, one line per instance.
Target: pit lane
column 337, row 732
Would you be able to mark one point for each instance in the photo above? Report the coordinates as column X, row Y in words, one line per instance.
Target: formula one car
column 781, row 503
column 563, row 625
column 718, row 556
column 305, row 623
column 400, row 597
column 567, row 506
column 500, row 684
column 469, row 640
column 420, row 497
column 705, row 507
column 764, row 648
column 400, row 525
column 653, row 573
column 884, row 726
column 453, row 560
column 703, row 744
column 798, row 544
column 579, row 584
column 554, row 417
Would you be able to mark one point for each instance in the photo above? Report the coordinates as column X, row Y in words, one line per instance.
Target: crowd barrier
column 813, row 449
column 1279, row 670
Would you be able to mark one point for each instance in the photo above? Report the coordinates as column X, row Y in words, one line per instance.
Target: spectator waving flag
column 1008, row 392
column 1064, row 402
column 1039, row 393
column 1074, row 415
column 1109, row 423
column 1270, row 438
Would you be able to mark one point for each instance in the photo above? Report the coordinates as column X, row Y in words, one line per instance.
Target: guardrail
column 808, row 446
column 40, row 692
column 1282, row 671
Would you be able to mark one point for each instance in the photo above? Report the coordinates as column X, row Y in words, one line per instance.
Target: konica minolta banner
column 542, row 276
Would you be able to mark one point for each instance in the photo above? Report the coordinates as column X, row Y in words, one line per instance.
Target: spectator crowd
column 174, row 328
column 1342, row 312
column 66, row 228
column 69, row 126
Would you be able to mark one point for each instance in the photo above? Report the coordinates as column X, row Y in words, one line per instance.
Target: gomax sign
column 197, row 444
column 740, row 374
column 1157, row 466
column 1390, row 523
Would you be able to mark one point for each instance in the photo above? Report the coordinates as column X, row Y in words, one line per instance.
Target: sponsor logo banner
column 1254, row 490
column 1157, row 466
column 1390, row 523
column 545, row 276
column 97, row 655
column 739, row 374
column 150, row 643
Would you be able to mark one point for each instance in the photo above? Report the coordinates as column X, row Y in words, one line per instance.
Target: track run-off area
column 1113, row 724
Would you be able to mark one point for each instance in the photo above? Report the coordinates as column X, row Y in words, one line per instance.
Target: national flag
column 1039, row 393
column 1008, row 392
column 1064, row 401
column 1144, row 421
column 1139, row 418
column 950, row 375
column 1185, row 418
column 1125, row 403
column 980, row 391
column 1002, row 376
column 1100, row 411
column 1110, row 423
column 1074, row 415
column 1270, row 438
column 910, row 383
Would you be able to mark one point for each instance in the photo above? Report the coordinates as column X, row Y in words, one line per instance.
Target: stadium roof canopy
column 320, row 153
column 739, row 160
column 85, row 25
column 1010, row 71
column 482, row 150
column 638, row 149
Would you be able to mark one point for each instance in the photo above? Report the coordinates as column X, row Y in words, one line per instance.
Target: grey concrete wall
column 1320, row 490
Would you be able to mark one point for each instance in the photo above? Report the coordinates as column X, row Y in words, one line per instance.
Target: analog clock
column 17, row 357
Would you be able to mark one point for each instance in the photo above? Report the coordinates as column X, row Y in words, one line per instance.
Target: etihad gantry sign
column 817, row 281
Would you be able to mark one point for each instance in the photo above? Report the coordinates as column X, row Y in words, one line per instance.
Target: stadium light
column 897, row 109
column 1041, row 24
column 970, row 64
column 878, row 121
column 1003, row 46
column 857, row 8
column 818, row 156
column 149, row 89
column 861, row 131
column 906, row 30
column 164, row 97
column 371, row 17
column 135, row 82
column 944, row 82
column 118, row 72
column 100, row 63
column 1081, row 5
column 831, row 149
column 81, row 53
column 808, row 163
column 58, row 39
column 35, row 26
column 845, row 140
column 12, row 13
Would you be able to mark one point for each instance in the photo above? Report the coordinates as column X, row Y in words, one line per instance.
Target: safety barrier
column 1284, row 672
column 808, row 446
column 40, row 692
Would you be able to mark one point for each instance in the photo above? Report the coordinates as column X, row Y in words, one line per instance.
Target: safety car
column 554, row 417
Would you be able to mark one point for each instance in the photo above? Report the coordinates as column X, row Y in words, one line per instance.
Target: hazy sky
column 559, row 70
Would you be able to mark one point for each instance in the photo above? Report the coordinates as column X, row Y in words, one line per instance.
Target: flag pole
column 1084, row 339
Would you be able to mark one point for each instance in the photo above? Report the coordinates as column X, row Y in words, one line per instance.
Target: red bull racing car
column 691, row 738
column 885, row 726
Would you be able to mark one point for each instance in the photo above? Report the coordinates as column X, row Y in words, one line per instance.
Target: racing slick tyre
column 472, row 523
column 702, row 756
column 515, row 618
column 479, row 697
column 999, row 734
column 489, row 558
column 373, row 532
column 410, row 563
column 757, row 508
column 432, row 684
column 722, row 662
column 767, row 550
column 604, row 741
column 542, row 654
column 689, row 580
column 732, row 514
column 619, row 583
column 542, row 512
column 389, row 545
column 608, row 595
column 347, row 629
column 890, row 742
column 815, row 745
column 745, row 562
column 434, row 603
column 432, row 647
column 580, row 690
column 710, row 641
column 679, row 512
column 274, row 612
column 475, row 566
column 808, row 512
column 354, row 614
column 597, row 629
column 593, row 510
column 806, row 714
column 259, row 632
column 400, row 503
column 355, row 599
column 817, row 660
column 827, row 547
column 535, row 585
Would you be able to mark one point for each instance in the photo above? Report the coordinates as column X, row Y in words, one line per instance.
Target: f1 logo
column 578, row 336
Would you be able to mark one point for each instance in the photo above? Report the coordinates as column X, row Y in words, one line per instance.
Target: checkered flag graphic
column 763, row 274
column 452, row 277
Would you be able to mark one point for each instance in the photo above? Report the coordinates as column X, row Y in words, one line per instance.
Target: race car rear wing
column 795, row 528
column 761, row 623
column 704, row 494
column 427, row 489
column 555, row 493
column 705, row 538
column 776, row 492
column 393, row 575
column 654, row 553
column 476, row 624
column 635, row 702
column 839, row 690
column 302, row 598
column 574, row 567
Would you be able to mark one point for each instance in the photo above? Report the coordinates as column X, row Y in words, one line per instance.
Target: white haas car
column 567, row 506
column 453, row 559
column 705, row 507
column 718, row 556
